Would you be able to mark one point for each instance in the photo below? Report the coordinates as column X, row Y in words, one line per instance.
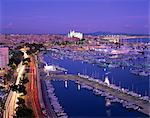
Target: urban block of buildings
column 4, row 57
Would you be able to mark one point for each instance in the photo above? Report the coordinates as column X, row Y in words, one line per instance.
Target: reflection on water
column 108, row 112
column 137, row 40
column 79, row 86
column 108, row 103
column 84, row 103
column 118, row 76
column 66, row 84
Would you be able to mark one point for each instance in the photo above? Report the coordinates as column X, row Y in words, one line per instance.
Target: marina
column 58, row 109
column 91, row 104
column 74, row 59
column 116, row 76
column 132, row 55
column 54, row 101
column 125, row 79
column 135, row 101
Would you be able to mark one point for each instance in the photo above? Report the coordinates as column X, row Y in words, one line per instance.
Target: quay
column 144, row 105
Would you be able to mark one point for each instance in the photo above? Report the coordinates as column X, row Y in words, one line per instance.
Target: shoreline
column 145, row 106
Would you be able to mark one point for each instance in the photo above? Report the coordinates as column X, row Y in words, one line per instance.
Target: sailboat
column 107, row 81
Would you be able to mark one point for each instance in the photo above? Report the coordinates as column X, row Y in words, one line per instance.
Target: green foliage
column 23, row 112
column 27, row 59
column 14, row 87
column 24, row 81
column 33, row 47
column 21, row 101
column 81, row 41
column 16, row 57
column 8, row 75
column 1, row 87
column 19, row 88
column 13, row 66
column 25, row 63
column 22, row 89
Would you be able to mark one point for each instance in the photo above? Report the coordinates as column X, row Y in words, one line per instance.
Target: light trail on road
column 10, row 104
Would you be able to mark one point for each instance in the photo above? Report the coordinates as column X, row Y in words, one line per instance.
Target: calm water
column 137, row 40
column 84, row 103
column 118, row 76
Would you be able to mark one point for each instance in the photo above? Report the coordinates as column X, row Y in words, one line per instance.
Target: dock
column 144, row 105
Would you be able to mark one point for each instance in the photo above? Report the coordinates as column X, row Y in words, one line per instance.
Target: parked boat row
column 107, row 83
column 110, row 91
column 110, row 99
column 109, row 56
column 140, row 72
column 61, row 69
column 55, row 102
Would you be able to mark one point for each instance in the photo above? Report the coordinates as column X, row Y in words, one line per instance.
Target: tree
column 24, row 80
column 14, row 87
column 7, row 76
column 27, row 59
column 21, row 88
column 13, row 66
column 15, row 58
column 24, row 112
column 1, row 87
column 21, row 101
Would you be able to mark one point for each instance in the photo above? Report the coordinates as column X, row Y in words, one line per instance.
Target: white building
column 72, row 34
column 4, row 57
column 48, row 68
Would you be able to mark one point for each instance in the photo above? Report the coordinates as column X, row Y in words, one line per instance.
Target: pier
column 144, row 106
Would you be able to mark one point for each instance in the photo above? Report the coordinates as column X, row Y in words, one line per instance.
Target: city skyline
column 58, row 17
column 74, row 58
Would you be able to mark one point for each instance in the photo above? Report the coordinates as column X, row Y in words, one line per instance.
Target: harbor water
column 83, row 103
column 118, row 76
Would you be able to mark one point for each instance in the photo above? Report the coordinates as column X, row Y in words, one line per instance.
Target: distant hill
column 111, row 33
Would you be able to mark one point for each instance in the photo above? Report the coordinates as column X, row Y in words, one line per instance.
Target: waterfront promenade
column 47, row 109
column 144, row 105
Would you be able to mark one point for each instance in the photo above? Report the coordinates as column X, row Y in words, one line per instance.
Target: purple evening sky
column 59, row 16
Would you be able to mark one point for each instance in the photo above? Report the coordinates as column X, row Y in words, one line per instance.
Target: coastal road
column 10, row 104
column 32, row 91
